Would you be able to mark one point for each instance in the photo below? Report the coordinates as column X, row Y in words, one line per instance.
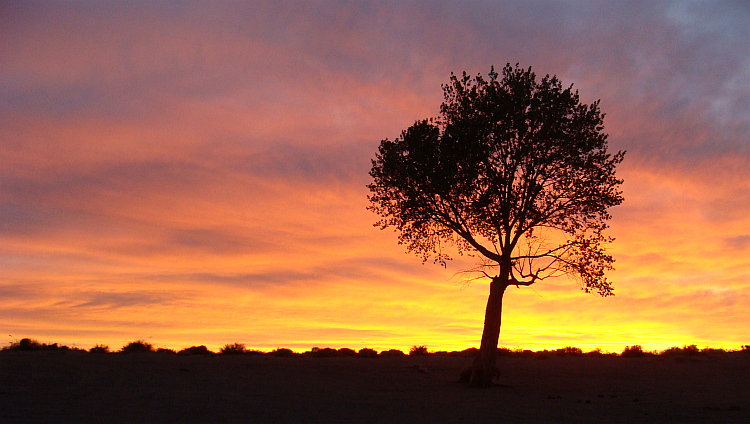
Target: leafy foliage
column 514, row 169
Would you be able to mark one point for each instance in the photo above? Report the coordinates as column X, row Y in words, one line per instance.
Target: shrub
column 541, row 354
column 345, row 351
column 392, row 353
column 27, row 344
column 367, row 353
column 468, row 353
column 632, row 351
column 282, row 352
column 166, row 350
column 137, row 346
column 195, row 350
column 596, row 353
column 418, row 350
column 233, row 349
column 325, row 352
column 504, row 351
column 672, row 351
column 99, row 349
column 690, row 350
column 569, row 351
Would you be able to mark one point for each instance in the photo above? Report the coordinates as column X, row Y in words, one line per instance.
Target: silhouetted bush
column 137, row 346
column 166, row 350
column 99, row 349
column 392, row 353
column 691, row 350
column 686, row 350
column 233, row 349
column 345, row 351
column 27, row 344
column 541, row 354
column 195, row 350
column 504, row 351
column 569, row 351
column 325, row 352
column 418, row 350
column 282, row 352
column 367, row 353
column 632, row 351
column 470, row 352
column 596, row 353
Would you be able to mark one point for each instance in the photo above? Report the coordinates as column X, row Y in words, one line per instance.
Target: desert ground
column 66, row 387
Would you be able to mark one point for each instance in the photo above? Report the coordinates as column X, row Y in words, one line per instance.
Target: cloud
column 740, row 242
column 200, row 160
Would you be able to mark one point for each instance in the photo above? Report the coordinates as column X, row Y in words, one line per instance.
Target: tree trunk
column 484, row 369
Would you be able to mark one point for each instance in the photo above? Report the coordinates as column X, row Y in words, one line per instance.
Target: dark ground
column 66, row 387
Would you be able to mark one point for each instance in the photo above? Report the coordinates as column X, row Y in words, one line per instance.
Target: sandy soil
column 60, row 387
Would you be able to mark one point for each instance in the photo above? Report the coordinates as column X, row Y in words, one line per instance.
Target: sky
column 194, row 173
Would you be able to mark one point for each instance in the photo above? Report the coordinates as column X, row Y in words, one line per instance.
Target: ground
column 66, row 387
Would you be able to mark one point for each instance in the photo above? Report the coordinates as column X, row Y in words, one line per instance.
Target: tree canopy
column 515, row 169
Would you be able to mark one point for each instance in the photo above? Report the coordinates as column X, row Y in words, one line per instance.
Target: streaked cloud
column 195, row 173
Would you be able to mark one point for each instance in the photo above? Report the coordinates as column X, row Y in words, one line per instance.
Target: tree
column 515, row 171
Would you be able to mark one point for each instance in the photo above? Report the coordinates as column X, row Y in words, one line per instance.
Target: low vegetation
column 141, row 346
column 195, row 350
column 138, row 346
column 418, row 350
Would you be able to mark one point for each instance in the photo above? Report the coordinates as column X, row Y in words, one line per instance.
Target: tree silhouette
column 514, row 169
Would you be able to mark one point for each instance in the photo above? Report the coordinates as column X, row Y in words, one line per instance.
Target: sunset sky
column 195, row 173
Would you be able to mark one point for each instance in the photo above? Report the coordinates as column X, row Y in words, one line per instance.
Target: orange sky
column 191, row 174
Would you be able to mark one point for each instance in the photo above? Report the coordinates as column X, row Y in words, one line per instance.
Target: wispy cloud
column 201, row 169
